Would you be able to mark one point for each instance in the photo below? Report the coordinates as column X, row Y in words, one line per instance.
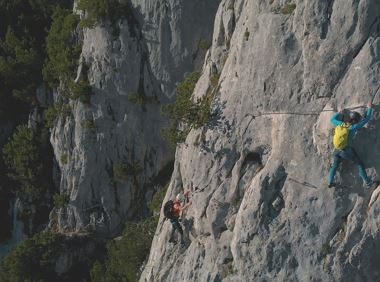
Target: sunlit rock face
column 261, row 210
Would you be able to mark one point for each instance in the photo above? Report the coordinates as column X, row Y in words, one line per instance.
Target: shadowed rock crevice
column 326, row 23
column 249, row 168
column 273, row 199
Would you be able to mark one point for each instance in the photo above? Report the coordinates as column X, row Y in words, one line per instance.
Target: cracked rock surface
column 261, row 210
column 145, row 53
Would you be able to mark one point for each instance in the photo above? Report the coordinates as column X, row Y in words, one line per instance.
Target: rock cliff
column 261, row 209
column 132, row 66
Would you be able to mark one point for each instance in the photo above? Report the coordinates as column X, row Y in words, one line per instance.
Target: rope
column 315, row 113
column 305, row 113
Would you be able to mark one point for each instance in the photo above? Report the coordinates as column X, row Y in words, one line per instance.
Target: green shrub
column 203, row 110
column 173, row 135
column 89, row 124
column 98, row 272
column 157, row 200
column 180, row 112
column 63, row 51
column 61, row 200
column 326, row 249
column 24, row 215
column 51, row 116
column 140, row 99
column 126, row 255
column 204, row 44
column 215, row 80
column 32, row 260
column 23, row 29
column 19, row 59
column 99, row 10
column 53, row 112
column 288, row 9
column 64, row 158
column 64, row 109
column 22, row 156
column 126, row 171
column 80, row 91
column 185, row 114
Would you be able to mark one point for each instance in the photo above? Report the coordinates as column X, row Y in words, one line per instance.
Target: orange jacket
column 177, row 208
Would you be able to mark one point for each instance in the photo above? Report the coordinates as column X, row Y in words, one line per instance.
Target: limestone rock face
column 261, row 209
column 132, row 67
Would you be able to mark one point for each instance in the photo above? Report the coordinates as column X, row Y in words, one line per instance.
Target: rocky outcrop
column 133, row 67
column 261, row 210
column 76, row 256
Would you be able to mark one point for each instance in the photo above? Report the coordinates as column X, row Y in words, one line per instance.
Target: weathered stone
column 284, row 75
column 153, row 50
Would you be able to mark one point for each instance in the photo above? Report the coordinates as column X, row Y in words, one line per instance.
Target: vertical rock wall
column 261, row 210
column 148, row 53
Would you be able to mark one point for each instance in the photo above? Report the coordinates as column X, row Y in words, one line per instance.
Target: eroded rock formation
column 262, row 210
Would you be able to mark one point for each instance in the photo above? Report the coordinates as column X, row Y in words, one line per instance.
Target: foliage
column 22, row 51
column 126, row 255
column 185, row 113
column 32, row 260
column 140, row 99
column 288, row 9
column 64, row 158
column 61, row 200
column 53, row 112
column 126, row 171
column 22, row 156
column 204, row 44
column 326, row 249
column 99, row 10
column 62, row 49
column 11, row 67
column 203, row 110
column 89, row 124
column 157, row 200
column 215, row 80
column 173, row 135
column 98, row 272
column 181, row 109
column 81, row 91
column 51, row 115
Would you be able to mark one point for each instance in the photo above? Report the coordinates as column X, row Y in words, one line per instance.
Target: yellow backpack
column 341, row 136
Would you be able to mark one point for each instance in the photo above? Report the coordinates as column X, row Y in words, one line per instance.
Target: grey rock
column 152, row 52
column 272, row 218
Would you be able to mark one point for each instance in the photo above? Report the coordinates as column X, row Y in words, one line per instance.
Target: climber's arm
column 335, row 121
column 364, row 121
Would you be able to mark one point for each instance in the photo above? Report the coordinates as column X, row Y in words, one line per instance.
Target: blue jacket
column 354, row 128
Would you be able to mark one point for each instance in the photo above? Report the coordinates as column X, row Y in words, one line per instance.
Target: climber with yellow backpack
column 343, row 136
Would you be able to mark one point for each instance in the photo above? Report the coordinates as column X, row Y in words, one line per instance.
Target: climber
column 173, row 210
column 343, row 136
